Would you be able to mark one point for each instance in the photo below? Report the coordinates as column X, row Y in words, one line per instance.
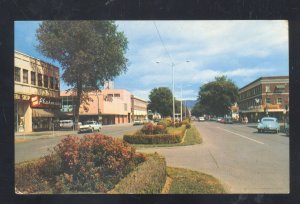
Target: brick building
column 265, row 96
column 36, row 93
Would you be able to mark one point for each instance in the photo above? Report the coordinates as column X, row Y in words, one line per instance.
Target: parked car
column 228, row 121
column 222, row 120
column 90, row 126
column 268, row 124
column 219, row 119
column 156, row 120
column 66, row 123
column 138, row 122
column 201, row 119
column 213, row 119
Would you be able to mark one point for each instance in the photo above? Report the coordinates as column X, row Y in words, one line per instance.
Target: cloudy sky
column 200, row 50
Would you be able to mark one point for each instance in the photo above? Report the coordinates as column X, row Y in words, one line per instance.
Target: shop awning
column 44, row 113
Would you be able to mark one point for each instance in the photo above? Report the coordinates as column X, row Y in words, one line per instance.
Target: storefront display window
column 40, row 124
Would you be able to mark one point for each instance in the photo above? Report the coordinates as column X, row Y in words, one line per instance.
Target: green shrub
column 151, row 129
column 148, row 129
column 188, row 125
column 163, row 123
column 153, row 139
column 27, row 178
column 148, row 177
column 168, row 121
column 178, row 124
column 160, row 129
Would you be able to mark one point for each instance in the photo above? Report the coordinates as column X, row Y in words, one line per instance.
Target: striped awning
column 44, row 113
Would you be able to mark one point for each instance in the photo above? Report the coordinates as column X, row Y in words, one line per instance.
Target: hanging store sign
column 44, row 102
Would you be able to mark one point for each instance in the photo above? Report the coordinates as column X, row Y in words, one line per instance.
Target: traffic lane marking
column 242, row 136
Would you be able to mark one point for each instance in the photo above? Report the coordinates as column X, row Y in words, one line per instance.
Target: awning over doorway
column 44, row 113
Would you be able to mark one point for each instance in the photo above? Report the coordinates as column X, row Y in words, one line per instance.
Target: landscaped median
column 102, row 164
column 173, row 135
column 179, row 136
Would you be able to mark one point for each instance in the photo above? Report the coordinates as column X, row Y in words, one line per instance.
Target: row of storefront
column 266, row 96
column 39, row 103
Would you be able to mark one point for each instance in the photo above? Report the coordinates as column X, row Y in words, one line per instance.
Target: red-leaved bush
column 94, row 163
column 150, row 129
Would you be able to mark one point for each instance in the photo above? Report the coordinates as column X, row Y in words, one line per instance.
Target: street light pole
column 181, row 106
column 97, row 105
column 173, row 97
column 185, row 108
column 267, row 104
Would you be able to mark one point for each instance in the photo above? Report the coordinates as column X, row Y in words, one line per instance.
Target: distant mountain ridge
column 190, row 103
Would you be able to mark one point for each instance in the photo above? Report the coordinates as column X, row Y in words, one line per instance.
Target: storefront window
column 46, row 81
column 33, row 78
column 40, row 124
column 17, row 74
column 25, row 76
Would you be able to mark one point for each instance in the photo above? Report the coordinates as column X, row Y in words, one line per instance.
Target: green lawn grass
column 192, row 137
column 186, row 181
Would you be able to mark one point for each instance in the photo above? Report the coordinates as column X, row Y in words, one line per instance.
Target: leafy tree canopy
column 89, row 52
column 216, row 97
column 161, row 101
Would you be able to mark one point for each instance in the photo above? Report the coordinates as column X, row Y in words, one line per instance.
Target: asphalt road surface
column 37, row 146
column 242, row 159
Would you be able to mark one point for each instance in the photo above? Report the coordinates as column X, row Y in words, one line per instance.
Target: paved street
column 37, row 146
column 243, row 160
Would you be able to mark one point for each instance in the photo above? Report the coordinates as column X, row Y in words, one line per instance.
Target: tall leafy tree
column 161, row 101
column 89, row 52
column 217, row 97
column 198, row 110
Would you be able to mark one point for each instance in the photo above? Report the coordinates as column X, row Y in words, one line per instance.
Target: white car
column 201, row 119
column 90, row 126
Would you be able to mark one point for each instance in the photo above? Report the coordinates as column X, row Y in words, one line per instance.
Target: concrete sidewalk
column 55, row 133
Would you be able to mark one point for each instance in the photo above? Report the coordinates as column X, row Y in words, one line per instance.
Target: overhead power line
column 161, row 40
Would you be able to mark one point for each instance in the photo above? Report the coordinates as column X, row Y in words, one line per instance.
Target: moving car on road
column 201, row 119
column 138, row 122
column 90, row 126
column 268, row 124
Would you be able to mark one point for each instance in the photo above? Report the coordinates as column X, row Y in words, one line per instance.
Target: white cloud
column 141, row 93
